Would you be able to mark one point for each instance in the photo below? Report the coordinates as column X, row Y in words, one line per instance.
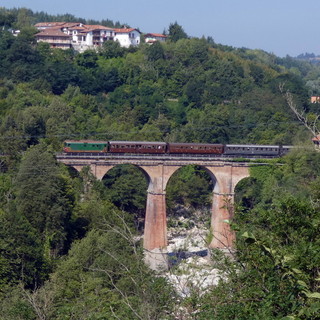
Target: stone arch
column 127, row 184
column 73, row 171
column 241, row 191
column 103, row 172
column 204, row 168
column 76, row 167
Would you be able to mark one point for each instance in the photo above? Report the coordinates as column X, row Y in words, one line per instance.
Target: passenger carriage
column 199, row 148
column 250, row 149
column 137, row 147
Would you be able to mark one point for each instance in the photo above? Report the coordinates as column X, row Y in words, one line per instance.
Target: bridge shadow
column 175, row 258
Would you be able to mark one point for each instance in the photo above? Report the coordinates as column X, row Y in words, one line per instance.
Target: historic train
column 143, row 147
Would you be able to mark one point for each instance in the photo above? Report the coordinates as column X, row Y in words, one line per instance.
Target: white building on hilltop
column 127, row 37
column 153, row 37
column 82, row 37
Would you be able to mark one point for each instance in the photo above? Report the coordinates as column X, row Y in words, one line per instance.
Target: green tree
column 112, row 49
column 21, row 252
column 25, row 62
column 155, row 51
column 104, row 277
column 6, row 18
column 176, row 32
column 87, row 59
column 190, row 187
column 127, row 188
column 43, row 199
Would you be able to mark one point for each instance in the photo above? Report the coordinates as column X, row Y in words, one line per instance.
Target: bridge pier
column 155, row 227
column 222, row 213
column 227, row 177
column 155, row 232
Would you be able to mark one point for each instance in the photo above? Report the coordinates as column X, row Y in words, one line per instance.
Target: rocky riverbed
column 190, row 267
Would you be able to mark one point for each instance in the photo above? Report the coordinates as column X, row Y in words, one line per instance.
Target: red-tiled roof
column 57, row 24
column 125, row 30
column 97, row 27
column 48, row 24
column 72, row 26
column 52, row 32
column 77, row 28
column 157, row 35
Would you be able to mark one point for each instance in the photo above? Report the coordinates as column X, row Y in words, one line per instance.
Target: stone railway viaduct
column 158, row 170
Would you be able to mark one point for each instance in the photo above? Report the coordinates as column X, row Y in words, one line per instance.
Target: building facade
column 82, row 37
column 127, row 37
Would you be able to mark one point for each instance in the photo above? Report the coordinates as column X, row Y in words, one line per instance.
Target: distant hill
column 311, row 57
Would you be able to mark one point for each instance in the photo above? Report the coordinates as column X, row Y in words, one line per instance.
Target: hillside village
column 80, row 37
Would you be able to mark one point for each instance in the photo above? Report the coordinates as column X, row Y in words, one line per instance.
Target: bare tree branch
column 123, row 295
column 311, row 125
column 40, row 300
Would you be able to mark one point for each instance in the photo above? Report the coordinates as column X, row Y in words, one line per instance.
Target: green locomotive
column 85, row 146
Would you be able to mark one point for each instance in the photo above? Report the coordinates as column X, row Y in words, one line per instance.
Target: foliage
column 126, row 187
column 21, row 253
column 104, row 276
column 66, row 246
column 276, row 274
column 191, row 187
column 43, row 198
column 176, row 32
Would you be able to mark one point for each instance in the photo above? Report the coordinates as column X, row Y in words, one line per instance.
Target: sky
column 282, row 27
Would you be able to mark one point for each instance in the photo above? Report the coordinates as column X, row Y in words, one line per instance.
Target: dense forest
column 68, row 247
